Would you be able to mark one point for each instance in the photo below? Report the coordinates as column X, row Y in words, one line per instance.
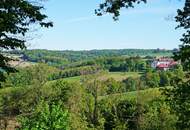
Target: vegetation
column 117, row 89
column 46, row 117
column 16, row 18
column 64, row 59
column 98, row 100
column 178, row 97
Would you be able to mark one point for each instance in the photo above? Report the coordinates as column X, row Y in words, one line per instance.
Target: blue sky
column 76, row 27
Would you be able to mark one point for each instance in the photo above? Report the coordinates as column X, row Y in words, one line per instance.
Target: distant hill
column 68, row 56
column 17, row 60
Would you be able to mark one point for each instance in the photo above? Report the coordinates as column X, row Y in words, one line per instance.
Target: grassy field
column 73, row 79
column 119, row 76
column 143, row 96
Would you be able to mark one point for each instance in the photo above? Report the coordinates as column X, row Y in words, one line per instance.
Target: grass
column 143, row 96
column 73, row 79
column 119, row 76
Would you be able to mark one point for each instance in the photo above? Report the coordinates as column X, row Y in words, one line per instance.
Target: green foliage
column 78, row 71
column 119, row 115
column 71, row 59
column 35, row 74
column 93, row 87
column 158, row 116
column 124, row 64
column 121, row 111
column 11, row 101
column 95, row 102
column 131, row 84
column 118, row 76
column 15, row 20
column 112, row 86
column 114, row 7
column 183, row 19
column 178, row 98
column 46, row 117
column 163, row 78
column 22, row 100
column 152, row 79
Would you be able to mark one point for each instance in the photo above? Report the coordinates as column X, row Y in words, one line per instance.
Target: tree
column 131, row 84
column 158, row 116
column 94, row 89
column 119, row 114
column 114, row 6
column 46, row 117
column 152, row 79
column 164, row 79
column 16, row 16
column 183, row 19
column 112, row 86
column 179, row 95
column 178, row 99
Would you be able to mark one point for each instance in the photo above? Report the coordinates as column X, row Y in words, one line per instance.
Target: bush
column 46, row 117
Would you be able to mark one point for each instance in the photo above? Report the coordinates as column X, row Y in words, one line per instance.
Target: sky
column 76, row 27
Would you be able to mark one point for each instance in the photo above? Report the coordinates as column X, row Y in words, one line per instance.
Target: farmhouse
column 163, row 63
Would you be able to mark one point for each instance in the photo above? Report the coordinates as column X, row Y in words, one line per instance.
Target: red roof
column 166, row 65
column 163, row 66
column 173, row 63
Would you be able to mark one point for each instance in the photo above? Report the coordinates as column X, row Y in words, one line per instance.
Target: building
column 163, row 63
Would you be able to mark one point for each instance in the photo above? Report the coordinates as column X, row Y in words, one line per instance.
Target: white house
column 163, row 63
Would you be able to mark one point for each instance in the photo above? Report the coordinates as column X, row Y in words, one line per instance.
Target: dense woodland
column 73, row 56
column 80, row 58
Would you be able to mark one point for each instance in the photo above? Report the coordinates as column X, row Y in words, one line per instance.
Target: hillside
column 101, row 85
column 65, row 57
column 118, row 76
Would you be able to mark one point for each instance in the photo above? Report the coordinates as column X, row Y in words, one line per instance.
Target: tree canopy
column 183, row 18
column 114, row 6
column 16, row 16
